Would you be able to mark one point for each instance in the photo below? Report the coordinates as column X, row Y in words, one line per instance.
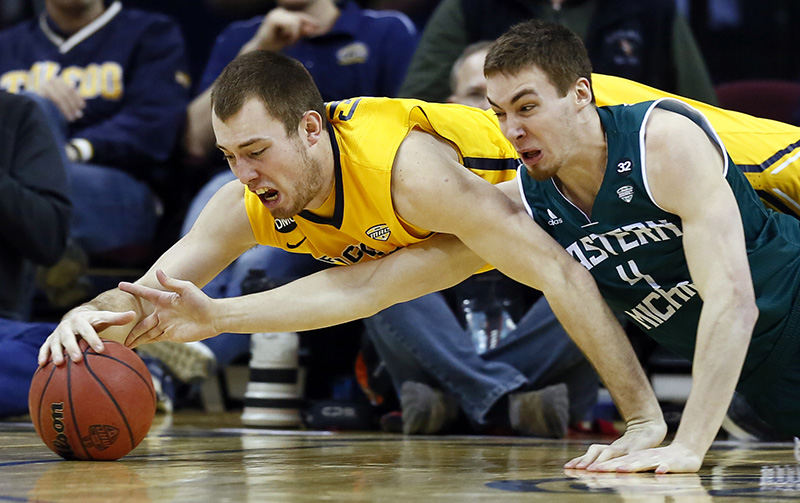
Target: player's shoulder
column 672, row 125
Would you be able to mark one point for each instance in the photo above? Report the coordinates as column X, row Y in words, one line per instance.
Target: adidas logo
column 554, row 220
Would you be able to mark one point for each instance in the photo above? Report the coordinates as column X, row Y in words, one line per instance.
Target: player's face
column 272, row 164
column 535, row 118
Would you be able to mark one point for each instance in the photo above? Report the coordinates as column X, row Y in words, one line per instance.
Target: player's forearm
column 723, row 337
column 340, row 294
column 590, row 323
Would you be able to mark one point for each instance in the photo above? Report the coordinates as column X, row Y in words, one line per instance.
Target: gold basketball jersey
column 767, row 151
column 365, row 134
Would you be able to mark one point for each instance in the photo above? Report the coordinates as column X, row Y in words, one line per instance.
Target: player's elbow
column 745, row 305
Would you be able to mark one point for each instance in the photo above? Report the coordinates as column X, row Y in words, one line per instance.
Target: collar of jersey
column 338, row 210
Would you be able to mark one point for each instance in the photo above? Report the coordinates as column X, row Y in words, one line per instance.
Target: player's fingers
column 87, row 331
column 609, row 452
column 56, row 350
column 662, row 468
column 101, row 320
column 44, row 352
column 70, row 344
column 591, row 454
column 139, row 332
column 150, row 294
column 169, row 283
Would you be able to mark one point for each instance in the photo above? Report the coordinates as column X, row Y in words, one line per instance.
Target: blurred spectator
column 34, row 201
column 349, row 52
column 646, row 41
column 113, row 83
column 34, row 220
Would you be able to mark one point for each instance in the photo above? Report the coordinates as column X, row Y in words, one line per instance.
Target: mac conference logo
column 625, row 193
column 380, row 232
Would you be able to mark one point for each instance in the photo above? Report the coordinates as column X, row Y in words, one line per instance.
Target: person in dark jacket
column 34, row 224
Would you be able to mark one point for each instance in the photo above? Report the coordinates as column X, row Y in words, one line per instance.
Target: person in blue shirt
column 114, row 85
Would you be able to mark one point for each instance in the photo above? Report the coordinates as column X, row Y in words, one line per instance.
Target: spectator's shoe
column 163, row 384
column 274, row 392
column 426, row 410
column 742, row 423
column 187, row 361
column 541, row 413
column 64, row 282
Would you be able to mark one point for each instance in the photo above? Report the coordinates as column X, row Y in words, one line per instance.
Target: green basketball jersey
column 634, row 249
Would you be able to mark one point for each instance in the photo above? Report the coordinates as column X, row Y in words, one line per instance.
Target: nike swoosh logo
column 292, row 247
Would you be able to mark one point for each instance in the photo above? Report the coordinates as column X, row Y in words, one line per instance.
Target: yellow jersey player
column 358, row 221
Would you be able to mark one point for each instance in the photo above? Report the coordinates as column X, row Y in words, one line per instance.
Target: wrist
column 216, row 316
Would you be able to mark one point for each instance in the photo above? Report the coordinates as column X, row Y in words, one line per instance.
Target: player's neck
column 71, row 20
column 582, row 175
column 325, row 198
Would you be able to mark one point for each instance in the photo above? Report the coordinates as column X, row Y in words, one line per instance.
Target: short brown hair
column 556, row 50
column 282, row 84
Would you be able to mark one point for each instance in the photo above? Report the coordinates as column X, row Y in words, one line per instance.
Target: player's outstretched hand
column 638, row 435
column 181, row 312
column 673, row 458
column 80, row 322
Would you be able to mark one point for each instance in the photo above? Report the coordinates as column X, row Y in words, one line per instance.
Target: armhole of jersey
column 692, row 113
column 522, row 190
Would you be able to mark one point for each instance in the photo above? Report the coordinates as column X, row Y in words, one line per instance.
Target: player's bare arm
column 326, row 298
column 221, row 233
column 432, row 190
column 685, row 172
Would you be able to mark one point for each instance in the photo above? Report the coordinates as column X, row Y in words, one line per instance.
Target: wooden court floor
column 202, row 457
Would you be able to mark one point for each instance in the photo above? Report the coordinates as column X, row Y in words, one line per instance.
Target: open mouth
column 531, row 156
column 267, row 195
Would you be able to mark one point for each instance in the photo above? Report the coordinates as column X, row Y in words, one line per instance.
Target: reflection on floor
column 204, row 457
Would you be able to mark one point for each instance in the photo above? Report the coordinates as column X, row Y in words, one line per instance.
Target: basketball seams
column 72, row 409
column 147, row 382
column 113, row 400
column 41, row 396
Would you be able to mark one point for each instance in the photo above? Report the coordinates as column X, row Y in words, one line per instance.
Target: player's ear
column 311, row 126
column 583, row 92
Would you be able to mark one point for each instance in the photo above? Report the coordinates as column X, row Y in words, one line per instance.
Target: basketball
column 97, row 409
